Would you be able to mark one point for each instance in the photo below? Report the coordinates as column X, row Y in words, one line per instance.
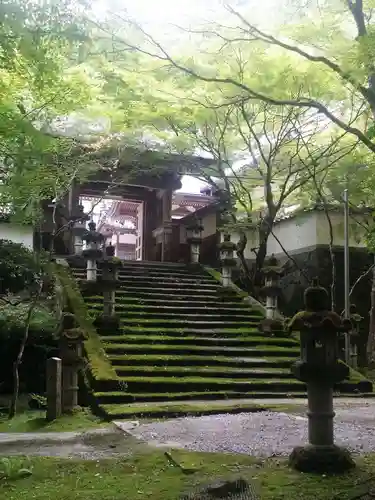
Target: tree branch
column 367, row 93
column 299, row 103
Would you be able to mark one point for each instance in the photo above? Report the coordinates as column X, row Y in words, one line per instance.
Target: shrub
column 40, row 346
column 18, row 267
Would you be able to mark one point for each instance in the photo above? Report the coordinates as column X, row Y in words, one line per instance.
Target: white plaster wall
column 356, row 231
column 128, row 238
column 124, row 238
column 294, row 234
column 252, row 242
column 305, row 230
column 183, row 234
column 17, row 234
column 209, row 225
column 308, row 230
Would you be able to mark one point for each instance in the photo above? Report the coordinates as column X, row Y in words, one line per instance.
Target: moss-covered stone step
column 147, row 294
column 148, row 264
column 213, row 372
column 138, row 308
column 157, row 265
column 181, row 332
column 123, row 397
column 188, row 384
column 195, row 360
column 136, row 302
column 167, row 280
column 175, row 410
column 171, row 287
column 186, row 322
column 153, row 311
column 261, row 350
column 198, row 340
column 156, row 272
column 175, row 317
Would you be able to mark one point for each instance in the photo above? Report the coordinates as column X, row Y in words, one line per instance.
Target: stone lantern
column 227, row 261
column 271, row 290
column 355, row 321
column 79, row 228
column 320, row 368
column 71, row 350
column 194, row 239
column 110, row 266
column 93, row 252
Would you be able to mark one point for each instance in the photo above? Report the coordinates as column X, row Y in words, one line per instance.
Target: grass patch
column 356, row 376
column 34, row 421
column 153, row 476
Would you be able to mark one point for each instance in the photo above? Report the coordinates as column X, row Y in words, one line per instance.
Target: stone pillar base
column 321, row 459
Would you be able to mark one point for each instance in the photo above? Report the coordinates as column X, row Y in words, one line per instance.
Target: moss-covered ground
column 35, row 421
column 154, row 476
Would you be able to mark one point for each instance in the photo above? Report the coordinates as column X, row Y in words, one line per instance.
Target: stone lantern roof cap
column 316, row 315
column 92, row 235
column 273, row 268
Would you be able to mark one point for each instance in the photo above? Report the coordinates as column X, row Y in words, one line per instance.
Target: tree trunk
column 18, row 361
column 371, row 333
column 265, row 229
column 241, row 246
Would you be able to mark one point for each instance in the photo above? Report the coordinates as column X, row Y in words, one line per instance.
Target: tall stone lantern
column 227, row 260
column 354, row 334
column 320, row 368
column 93, row 252
column 108, row 321
column 194, row 239
column 79, row 228
column 226, row 247
column 271, row 291
column 71, row 350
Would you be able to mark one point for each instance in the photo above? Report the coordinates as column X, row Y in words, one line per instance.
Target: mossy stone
column 321, row 459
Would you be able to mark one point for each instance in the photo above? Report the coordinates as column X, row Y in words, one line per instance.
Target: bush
column 40, row 346
column 18, row 267
column 13, row 317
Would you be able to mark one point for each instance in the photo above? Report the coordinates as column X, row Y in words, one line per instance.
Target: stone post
column 71, row 346
column 79, row 229
column 53, row 389
column 194, row 239
column 111, row 267
column 227, row 261
column 93, row 251
column 320, row 368
column 271, row 290
column 355, row 320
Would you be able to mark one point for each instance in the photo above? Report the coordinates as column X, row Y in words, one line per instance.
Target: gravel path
column 92, row 445
column 260, row 434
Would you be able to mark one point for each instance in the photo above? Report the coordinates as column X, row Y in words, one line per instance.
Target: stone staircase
column 184, row 337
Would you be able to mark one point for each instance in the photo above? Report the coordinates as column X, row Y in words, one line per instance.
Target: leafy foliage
column 42, row 82
column 18, row 267
column 12, row 322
